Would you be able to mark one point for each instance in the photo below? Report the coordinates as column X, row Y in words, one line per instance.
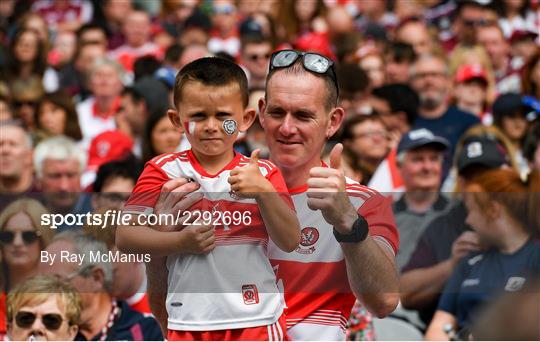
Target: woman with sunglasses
column 45, row 309
column 21, row 239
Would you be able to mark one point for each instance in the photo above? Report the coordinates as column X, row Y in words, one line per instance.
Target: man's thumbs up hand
column 335, row 157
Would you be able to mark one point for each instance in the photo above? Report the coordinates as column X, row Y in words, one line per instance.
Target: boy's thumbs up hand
column 326, row 192
column 247, row 181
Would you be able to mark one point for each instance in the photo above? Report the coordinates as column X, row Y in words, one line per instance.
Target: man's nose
column 65, row 183
column 288, row 126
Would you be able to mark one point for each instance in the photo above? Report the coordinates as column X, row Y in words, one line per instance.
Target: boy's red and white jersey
column 314, row 277
column 234, row 286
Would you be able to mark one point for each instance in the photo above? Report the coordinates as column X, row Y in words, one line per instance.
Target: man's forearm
column 156, row 273
column 421, row 287
column 372, row 275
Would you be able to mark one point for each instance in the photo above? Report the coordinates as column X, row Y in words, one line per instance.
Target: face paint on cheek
column 229, row 126
column 189, row 127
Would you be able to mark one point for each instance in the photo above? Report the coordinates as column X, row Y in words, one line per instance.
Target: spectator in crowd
column 510, row 116
column 502, row 210
column 63, row 50
column 137, row 29
column 471, row 91
column 516, row 15
column 160, row 136
column 97, row 113
column 27, row 93
column 145, row 66
column 415, row 33
column 64, row 15
column 103, row 316
column 74, row 78
column 447, row 239
column 531, row 146
column 92, row 33
column 16, row 171
column 59, row 164
column 56, row 115
column 469, row 15
column 366, row 144
column 397, row 105
column 35, row 22
column 26, row 56
column 43, row 308
column 398, row 58
column 429, row 78
column 6, row 112
column 420, row 156
column 170, row 65
column 224, row 36
column 492, row 39
column 115, row 14
column 531, row 77
column 22, row 236
column 196, row 30
column 523, row 46
column 302, row 17
column 147, row 96
column 353, row 85
column 255, row 54
column 372, row 62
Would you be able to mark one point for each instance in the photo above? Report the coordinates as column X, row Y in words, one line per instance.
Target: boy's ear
column 247, row 119
column 175, row 119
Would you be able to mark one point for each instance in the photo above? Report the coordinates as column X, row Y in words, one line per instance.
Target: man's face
column 94, row 36
column 38, row 329
column 135, row 113
column 514, row 126
column 87, row 55
column 430, row 82
column 137, row 28
column 106, row 82
column 421, row 169
column 15, row 153
column 114, row 194
column 370, row 140
column 465, row 24
column 295, row 119
column 61, row 182
column 396, row 72
column 493, row 41
column 416, row 34
column 256, row 58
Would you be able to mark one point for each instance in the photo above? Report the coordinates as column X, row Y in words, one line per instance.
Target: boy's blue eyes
column 203, row 116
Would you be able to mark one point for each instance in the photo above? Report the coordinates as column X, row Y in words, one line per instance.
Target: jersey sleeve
column 377, row 211
column 146, row 193
column 278, row 182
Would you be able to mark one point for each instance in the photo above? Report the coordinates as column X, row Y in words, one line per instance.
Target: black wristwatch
column 359, row 232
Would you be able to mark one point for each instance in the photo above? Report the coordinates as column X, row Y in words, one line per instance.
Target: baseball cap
column 507, row 104
column 481, row 151
column 471, row 71
column 419, row 138
column 108, row 146
column 519, row 35
column 154, row 93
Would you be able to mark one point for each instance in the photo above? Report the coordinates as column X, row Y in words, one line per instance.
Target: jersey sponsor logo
column 470, row 282
column 514, row 284
column 309, row 237
column 250, row 294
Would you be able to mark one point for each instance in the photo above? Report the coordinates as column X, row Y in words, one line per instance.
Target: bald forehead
column 298, row 89
column 17, row 134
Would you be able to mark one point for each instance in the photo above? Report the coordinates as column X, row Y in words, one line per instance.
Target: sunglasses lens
column 25, row 319
column 29, row 237
column 316, row 63
column 52, row 321
column 6, row 237
column 284, row 58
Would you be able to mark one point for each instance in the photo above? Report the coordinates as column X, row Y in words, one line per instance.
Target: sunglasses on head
column 312, row 62
column 26, row 319
column 28, row 237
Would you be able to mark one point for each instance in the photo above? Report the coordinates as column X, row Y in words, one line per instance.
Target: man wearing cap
column 447, row 238
column 471, row 91
column 146, row 97
column 420, row 156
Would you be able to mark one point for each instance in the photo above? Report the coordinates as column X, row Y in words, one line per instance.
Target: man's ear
column 247, row 119
column 98, row 279
column 262, row 107
column 72, row 332
column 337, row 115
column 175, row 119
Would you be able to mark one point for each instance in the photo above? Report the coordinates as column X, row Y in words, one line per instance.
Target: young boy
column 221, row 285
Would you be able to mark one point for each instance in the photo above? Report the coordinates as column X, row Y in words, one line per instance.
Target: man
column 298, row 115
column 430, row 80
column 398, row 58
column 147, row 96
column 16, row 171
column 256, row 53
column 507, row 76
column 59, row 164
column 420, row 156
column 102, row 317
column 447, row 238
column 415, row 33
column 43, row 308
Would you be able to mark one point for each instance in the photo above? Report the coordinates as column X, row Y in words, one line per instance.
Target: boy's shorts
column 273, row 332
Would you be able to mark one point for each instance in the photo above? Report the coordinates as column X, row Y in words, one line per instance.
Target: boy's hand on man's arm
column 247, row 181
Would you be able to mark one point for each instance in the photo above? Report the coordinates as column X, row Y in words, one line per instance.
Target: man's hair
column 84, row 244
column 173, row 53
column 38, row 290
column 298, row 69
column 427, row 57
column 401, row 98
column 58, row 148
column 128, row 168
column 254, row 39
column 400, row 52
column 89, row 27
column 532, row 141
column 102, row 61
column 352, row 79
column 211, row 71
column 18, row 125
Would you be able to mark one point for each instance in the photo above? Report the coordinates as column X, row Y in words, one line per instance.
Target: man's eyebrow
column 274, row 108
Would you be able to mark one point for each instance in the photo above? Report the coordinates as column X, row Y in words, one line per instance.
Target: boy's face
column 472, row 93
column 202, row 111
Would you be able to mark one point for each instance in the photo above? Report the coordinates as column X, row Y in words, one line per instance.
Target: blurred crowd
column 438, row 93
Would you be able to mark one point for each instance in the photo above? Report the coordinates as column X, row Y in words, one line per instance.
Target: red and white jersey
column 314, row 277
column 91, row 123
column 234, row 286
